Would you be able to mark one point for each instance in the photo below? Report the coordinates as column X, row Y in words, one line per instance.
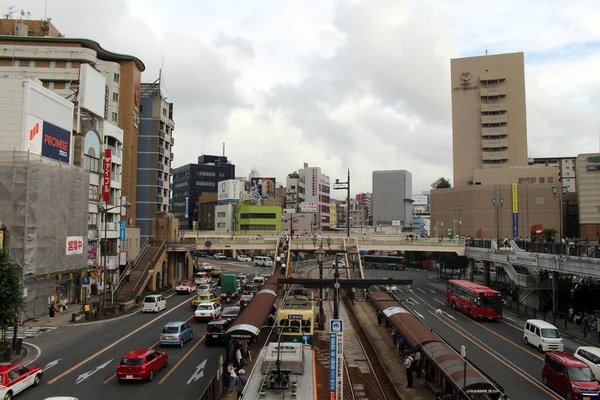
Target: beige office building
column 588, row 195
column 489, row 126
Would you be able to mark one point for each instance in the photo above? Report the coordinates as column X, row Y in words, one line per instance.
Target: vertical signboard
column 123, row 208
column 336, row 359
column 187, row 207
column 515, row 209
column 122, row 230
column 106, row 175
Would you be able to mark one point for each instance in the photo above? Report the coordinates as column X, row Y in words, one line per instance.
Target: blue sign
column 56, row 142
column 187, row 207
column 515, row 224
column 85, row 280
column 336, row 326
column 122, row 230
column 332, row 361
column 305, row 339
column 294, row 316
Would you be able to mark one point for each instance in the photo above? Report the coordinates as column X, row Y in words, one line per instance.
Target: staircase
column 139, row 271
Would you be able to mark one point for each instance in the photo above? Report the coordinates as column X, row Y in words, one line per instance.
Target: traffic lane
column 517, row 383
column 74, row 355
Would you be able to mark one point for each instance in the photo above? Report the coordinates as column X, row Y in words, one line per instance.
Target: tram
column 296, row 319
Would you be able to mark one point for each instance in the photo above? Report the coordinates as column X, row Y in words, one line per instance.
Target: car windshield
column 550, row 333
column 132, row 361
column 150, row 299
column 580, row 374
column 202, row 286
column 215, row 328
column 231, row 311
column 204, row 307
column 170, row 329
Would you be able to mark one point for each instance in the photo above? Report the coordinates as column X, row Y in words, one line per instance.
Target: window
column 91, row 163
column 50, row 85
column 221, row 214
column 257, row 227
column 539, row 200
column 68, row 64
column 221, row 174
column 205, row 173
column 16, row 63
column 31, row 63
column 67, row 85
column 550, row 179
column 527, row 181
column 221, row 225
column 114, row 117
column 542, row 179
column 93, row 195
column 164, row 112
column 115, row 97
column 52, row 64
column 258, row 215
column 116, row 77
column 205, row 183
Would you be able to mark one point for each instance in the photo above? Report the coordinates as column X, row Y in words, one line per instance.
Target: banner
column 74, row 245
column 336, row 359
column 122, row 230
column 106, row 176
column 187, row 207
column 515, row 209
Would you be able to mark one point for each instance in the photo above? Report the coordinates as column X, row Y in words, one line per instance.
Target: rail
column 138, row 284
column 584, row 249
column 131, row 266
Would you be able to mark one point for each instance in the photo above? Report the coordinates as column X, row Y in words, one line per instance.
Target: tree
column 549, row 234
column 441, row 183
column 11, row 296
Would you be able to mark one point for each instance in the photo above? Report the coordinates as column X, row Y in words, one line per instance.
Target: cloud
column 241, row 48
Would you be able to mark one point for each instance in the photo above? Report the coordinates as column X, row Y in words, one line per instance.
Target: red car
column 570, row 377
column 14, row 378
column 141, row 365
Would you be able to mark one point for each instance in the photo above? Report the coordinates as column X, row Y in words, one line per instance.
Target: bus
column 383, row 262
column 477, row 301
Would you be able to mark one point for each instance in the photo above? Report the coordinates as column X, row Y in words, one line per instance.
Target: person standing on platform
column 408, row 361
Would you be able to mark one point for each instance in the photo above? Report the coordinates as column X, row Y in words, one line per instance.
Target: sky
column 363, row 85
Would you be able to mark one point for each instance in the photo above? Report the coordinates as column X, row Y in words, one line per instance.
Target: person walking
column 127, row 275
column 379, row 318
column 51, row 313
column 231, row 375
column 408, row 361
column 238, row 356
column 240, row 383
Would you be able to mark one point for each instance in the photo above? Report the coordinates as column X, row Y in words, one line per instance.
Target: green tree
column 441, row 183
column 11, row 296
column 549, row 234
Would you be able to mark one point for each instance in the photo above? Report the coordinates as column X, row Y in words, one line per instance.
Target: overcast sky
column 345, row 84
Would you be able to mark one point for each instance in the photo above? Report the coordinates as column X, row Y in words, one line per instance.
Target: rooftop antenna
column 223, row 149
column 11, row 11
column 486, row 52
column 46, row 10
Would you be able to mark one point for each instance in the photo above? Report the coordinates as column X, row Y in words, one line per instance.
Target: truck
column 228, row 285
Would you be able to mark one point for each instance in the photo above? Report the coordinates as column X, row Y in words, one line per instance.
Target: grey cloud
column 240, row 47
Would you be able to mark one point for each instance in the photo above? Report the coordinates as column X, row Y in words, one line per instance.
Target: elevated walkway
column 150, row 254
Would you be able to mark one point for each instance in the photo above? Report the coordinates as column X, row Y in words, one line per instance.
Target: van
column 542, row 335
column 154, row 303
column 569, row 376
column 261, row 261
column 259, row 280
column 590, row 356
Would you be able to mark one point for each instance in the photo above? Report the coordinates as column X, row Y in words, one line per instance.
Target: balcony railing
column 161, row 134
column 581, row 249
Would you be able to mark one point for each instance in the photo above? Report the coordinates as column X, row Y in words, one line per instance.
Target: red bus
column 477, row 301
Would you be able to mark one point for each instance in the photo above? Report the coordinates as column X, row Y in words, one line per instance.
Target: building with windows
column 310, row 185
column 588, row 195
column 392, row 198
column 256, row 218
column 155, row 156
column 567, row 174
column 194, row 180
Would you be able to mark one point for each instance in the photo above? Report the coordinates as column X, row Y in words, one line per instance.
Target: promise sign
column 106, row 176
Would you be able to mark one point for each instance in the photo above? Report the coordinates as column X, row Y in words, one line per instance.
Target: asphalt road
column 494, row 347
column 81, row 360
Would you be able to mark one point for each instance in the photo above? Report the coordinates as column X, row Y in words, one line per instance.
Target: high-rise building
column 309, row 189
column 567, row 173
column 392, row 198
column 155, row 156
column 588, row 195
column 489, row 126
column 194, row 180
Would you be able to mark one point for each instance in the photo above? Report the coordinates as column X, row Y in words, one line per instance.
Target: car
column 216, row 332
column 204, row 288
column 141, row 365
column 591, row 356
column 244, row 258
column 220, row 256
column 251, row 288
column 176, row 333
column 14, row 378
column 216, row 272
column 202, row 277
column 205, row 298
column 259, row 280
column 207, row 311
column 154, row 303
column 340, row 263
column 394, row 289
column 205, row 267
column 231, row 312
column 246, row 299
column 185, row 287
column 571, row 377
column 243, row 276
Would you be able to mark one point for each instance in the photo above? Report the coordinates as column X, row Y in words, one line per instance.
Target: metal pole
column 560, row 212
column 336, row 287
column 104, row 256
column 348, row 213
column 321, row 310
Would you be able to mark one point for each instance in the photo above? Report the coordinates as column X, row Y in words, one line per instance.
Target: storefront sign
column 594, row 159
column 123, row 258
column 528, row 260
column 122, row 230
column 106, row 175
column 74, row 245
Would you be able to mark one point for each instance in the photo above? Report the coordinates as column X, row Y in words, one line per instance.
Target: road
column 81, row 360
column 494, row 347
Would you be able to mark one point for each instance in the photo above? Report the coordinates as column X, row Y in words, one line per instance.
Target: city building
column 309, row 185
column 392, row 198
column 299, row 223
column 224, row 217
column 588, row 193
column 194, row 180
column 361, row 214
column 421, row 218
column 252, row 218
column 155, row 155
column 566, row 169
column 206, row 212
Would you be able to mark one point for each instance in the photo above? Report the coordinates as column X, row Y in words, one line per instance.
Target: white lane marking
column 420, row 315
column 449, row 316
column 400, row 290
column 432, row 291
column 421, row 290
column 39, row 353
column 51, row 364
column 199, row 373
column 510, row 319
column 83, row 377
column 441, row 302
column 413, row 300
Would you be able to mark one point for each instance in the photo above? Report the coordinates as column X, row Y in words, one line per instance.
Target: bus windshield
column 494, row 302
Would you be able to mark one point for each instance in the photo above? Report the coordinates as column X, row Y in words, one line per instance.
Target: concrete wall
column 392, row 197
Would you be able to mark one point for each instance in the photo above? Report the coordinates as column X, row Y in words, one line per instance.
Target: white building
column 308, row 190
column 566, row 169
column 225, row 217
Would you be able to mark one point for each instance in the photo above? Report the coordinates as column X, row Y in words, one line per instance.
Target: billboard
column 106, row 175
column 92, row 90
column 262, row 188
column 515, row 209
column 74, row 245
column 229, row 191
column 48, row 140
column 421, row 200
column 308, row 206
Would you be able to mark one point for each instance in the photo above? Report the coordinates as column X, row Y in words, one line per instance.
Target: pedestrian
column 246, row 350
column 394, row 333
column 127, row 274
column 417, row 363
column 271, row 320
column 352, row 294
column 408, row 361
column 379, row 318
column 63, row 306
column 231, row 375
column 238, row 356
column 240, row 383
column 51, row 313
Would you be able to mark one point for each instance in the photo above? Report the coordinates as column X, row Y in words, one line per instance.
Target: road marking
column 441, row 302
column 448, row 315
column 51, row 364
column 432, row 291
column 113, row 344
column 180, row 361
column 38, row 350
column 421, row 290
column 83, row 377
column 199, row 373
column 412, row 300
column 517, row 371
column 420, row 315
column 510, row 319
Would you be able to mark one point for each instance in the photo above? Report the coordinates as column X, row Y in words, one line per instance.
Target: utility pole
column 345, row 186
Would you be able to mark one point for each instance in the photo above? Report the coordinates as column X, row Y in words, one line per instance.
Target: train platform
column 381, row 340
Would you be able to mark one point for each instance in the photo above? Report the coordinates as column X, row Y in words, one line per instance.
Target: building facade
column 588, row 192
column 392, row 198
column 194, row 180
column 567, row 173
column 155, row 156
column 225, row 217
column 310, row 185
column 206, row 212
column 257, row 219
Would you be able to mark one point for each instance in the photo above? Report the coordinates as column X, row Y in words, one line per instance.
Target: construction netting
column 44, row 206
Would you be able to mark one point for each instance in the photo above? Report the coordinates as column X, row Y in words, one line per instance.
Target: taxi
column 208, row 297
column 216, row 271
column 15, row 378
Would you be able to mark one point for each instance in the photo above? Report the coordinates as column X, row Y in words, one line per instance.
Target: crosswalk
column 30, row 332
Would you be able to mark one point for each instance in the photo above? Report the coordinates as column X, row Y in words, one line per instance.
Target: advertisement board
column 336, row 359
column 308, row 206
column 122, row 258
column 421, row 200
column 262, row 188
column 229, row 191
column 187, row 207
column 515, row 209
column 92, row 90
column 122, row 230
column 48, row 140
column 106, row 175
column 74, row 245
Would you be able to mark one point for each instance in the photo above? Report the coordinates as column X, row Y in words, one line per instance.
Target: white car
column 154, row 303
column 394, row 289
column 220, row 256
column 204, row 288
column 185, row 287
column 205, row 267
column 340, row 264
column 244, row 258
column 207, row 311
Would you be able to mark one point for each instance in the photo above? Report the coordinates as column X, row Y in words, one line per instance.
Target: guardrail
column 581, row 249
column 138, row 284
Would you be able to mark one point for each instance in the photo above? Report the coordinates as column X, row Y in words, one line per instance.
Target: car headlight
column 576, row 387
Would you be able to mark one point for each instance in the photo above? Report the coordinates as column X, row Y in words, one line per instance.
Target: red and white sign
column 74, row 245
column 106, row 176
column 308, row 206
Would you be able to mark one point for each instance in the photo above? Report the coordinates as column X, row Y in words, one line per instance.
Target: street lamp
column 320, row 254
column 561, row 194
column 353, row 255
column 458, row 210
column 104, row 210
column 498, row 207
column 436, row 228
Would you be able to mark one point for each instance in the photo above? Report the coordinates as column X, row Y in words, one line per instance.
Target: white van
column 154, row 303
column 261, row 261
column 542, row 335
column 590, row 356
column 259, row 280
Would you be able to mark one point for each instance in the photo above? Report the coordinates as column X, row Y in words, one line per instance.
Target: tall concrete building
column 489, row 126
column 588, row 193
column 392, row 198
column 155, row 156
column 309, row 190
